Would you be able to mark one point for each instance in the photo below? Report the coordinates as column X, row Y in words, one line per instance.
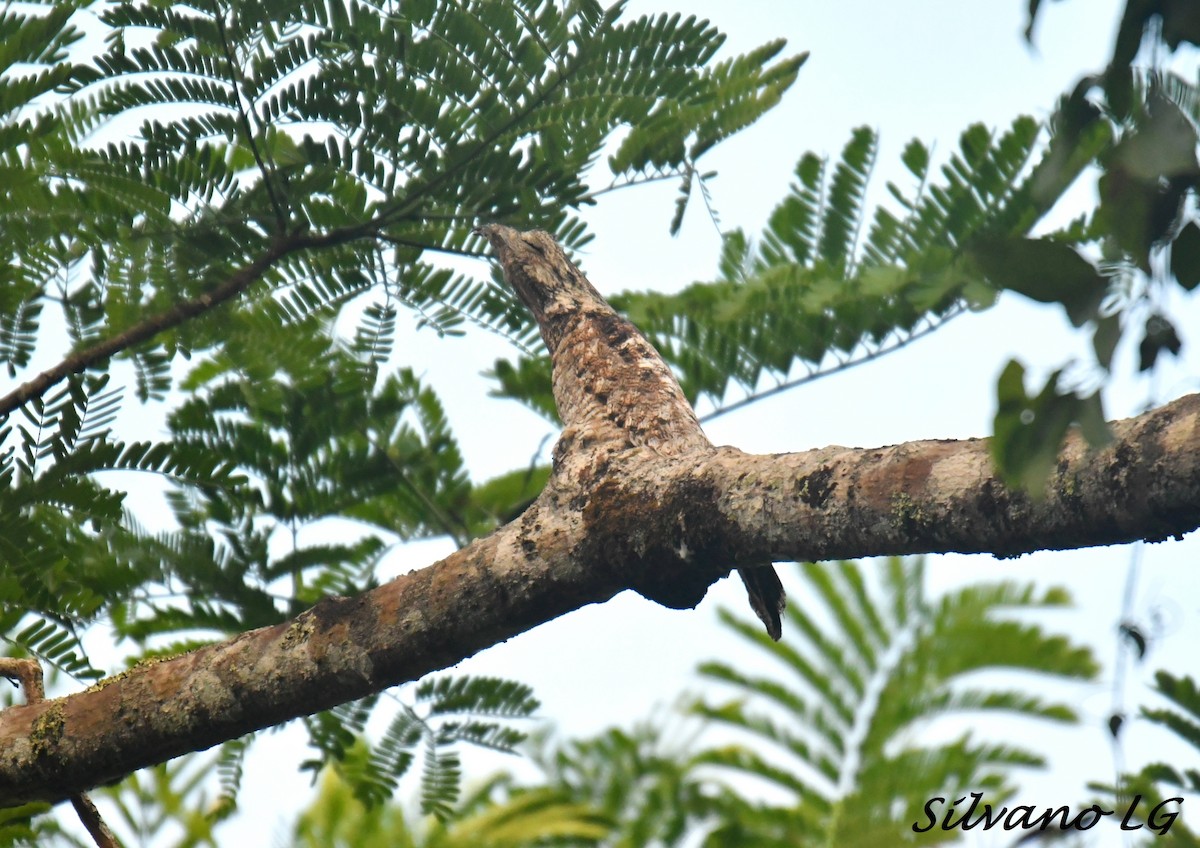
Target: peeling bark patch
column 1004, row 509
column 328, row 612
column 603, row 506
column 297, row 633
column 816, row 488
column 339, row 626
column 48, row 727
column 562, row 448
column 992, row 500
column 1069, row 490
column 1141, row 471
column 916, row 471
column 907, row 513
column 1123, row 458
column 596, row 469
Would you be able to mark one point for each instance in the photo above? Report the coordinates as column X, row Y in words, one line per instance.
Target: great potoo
column 610, row 384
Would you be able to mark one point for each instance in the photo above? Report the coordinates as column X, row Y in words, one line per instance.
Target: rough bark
column 614, row 515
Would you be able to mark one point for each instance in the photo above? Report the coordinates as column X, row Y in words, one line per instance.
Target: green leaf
column 440, row 781
column 1045, row 271
column 1159, row 336
column 1105, row 337
column 1185, row 256
column 1029, row 430
column 813, row 290
column 53, row 644
column 482, row 695
column 503, row 498
column 527, row 381
column 839, row 228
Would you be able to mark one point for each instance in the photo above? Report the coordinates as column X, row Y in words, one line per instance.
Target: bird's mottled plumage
column 609, row 381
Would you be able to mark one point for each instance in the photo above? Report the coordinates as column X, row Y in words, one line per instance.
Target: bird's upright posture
column 609, row 381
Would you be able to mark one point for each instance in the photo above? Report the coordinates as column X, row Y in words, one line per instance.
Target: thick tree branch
column 668, row 527
column 943, row 496
column 664, row 518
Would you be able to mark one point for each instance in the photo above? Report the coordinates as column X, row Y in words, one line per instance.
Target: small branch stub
column 28, row 674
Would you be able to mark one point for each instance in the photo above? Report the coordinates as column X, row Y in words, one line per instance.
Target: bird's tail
column 767, row 597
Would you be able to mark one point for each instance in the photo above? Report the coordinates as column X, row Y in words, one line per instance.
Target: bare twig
column 813, row 376
column 247, row 129
column 28, row 673
column 434, row 248
column 90, row 816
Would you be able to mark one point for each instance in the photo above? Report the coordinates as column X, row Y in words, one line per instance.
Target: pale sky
column 924, row 68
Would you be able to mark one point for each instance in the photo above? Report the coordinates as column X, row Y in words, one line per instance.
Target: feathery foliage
column 328, row 146
column 1160, row 788
column 647, row 786
column 1183, row 719
column 833, row 732
column 491, row 817
column 230, row 184
column 28, row 825
column 170, row 801
column 63, row 529
column 285, row 161
column 176, row 802
column 838, row 739
column 834, row 279
column 478, row 711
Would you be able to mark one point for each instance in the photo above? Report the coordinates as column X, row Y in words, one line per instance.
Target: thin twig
column 144, row 330
column 90, row 816
column 276, row 204
column 28, row 673
column 453, row 251
column 616, row 185
column 837, row 369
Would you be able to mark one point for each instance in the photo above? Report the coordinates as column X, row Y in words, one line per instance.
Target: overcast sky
column 910, row 68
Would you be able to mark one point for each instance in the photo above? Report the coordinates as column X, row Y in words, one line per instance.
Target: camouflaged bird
column 610, row 384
